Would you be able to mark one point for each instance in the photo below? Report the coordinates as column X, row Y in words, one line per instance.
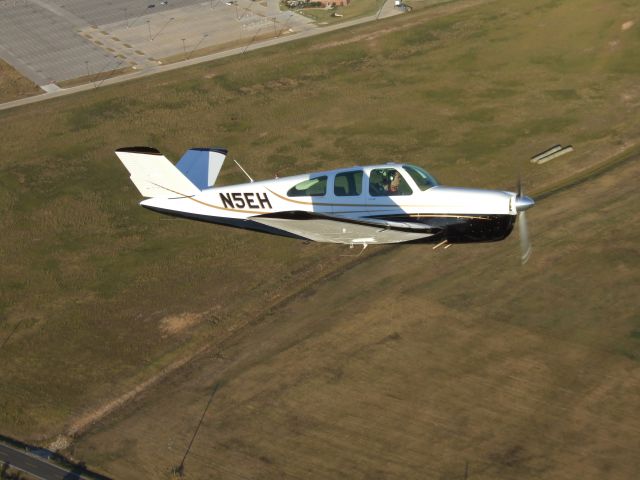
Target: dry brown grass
column 175, row 324
column 415, row 362
column 95, row 78
column 13, row 85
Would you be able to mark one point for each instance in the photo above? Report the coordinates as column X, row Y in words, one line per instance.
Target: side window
column 384, row 182
column 348, row 184
column 314, row 187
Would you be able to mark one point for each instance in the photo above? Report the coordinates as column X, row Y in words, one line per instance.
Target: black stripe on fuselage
column 301, row 215
column 461, row 228
column 229, row 222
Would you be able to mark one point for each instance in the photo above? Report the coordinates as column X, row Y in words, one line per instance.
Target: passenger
column 395, row 183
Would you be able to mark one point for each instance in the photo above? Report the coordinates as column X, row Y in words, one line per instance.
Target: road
column 35, row 466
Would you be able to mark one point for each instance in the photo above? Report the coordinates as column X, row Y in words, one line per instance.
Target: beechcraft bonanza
column 362, row 205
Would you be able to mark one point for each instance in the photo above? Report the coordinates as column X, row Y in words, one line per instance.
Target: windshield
column 422, row 178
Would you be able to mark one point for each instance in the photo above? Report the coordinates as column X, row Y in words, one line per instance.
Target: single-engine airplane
column 361, row 205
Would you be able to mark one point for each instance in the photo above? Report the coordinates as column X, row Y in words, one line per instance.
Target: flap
column 329, row 228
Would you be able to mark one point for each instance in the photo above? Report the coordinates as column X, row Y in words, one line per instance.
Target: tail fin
column 202, row 165
column 154, row 175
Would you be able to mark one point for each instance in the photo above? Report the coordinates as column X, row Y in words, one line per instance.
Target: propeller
column 523, row 203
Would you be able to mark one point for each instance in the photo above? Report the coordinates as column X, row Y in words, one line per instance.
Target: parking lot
column 50, row 41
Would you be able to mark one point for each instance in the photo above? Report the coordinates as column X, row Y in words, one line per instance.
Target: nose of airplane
column 524, row 203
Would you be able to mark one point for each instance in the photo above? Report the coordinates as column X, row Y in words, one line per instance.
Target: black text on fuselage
column 245, row 200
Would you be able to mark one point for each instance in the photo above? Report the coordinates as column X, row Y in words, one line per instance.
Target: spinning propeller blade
column 525, row 243
column 523, row 203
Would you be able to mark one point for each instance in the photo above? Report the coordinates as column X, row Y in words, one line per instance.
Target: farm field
column 485, row 362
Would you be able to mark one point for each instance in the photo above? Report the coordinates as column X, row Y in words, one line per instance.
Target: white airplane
column 361, row 205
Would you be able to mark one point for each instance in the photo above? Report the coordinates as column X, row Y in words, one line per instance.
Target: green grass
column 87, row 274
column 86, row 117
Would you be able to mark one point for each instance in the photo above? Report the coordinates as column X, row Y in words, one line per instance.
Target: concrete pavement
column 385, row 11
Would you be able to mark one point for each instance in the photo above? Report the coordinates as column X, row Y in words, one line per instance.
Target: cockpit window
column 385, row 182
column 348, row 184
column 422, row 178
column 314, row 187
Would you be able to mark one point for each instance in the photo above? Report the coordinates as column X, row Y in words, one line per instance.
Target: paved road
column 35, row 466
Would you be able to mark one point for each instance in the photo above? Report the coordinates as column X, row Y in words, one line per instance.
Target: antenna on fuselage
column 243, row 170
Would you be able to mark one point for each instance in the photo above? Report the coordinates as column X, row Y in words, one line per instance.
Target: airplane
column 360, row 205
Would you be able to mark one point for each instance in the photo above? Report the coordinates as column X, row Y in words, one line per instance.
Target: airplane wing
column 329, row 228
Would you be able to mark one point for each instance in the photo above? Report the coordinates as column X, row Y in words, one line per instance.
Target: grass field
column 416, row 363
column 13, row 85
column 98, row 295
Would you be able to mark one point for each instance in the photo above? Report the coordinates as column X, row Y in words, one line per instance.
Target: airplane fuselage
column 354, row 194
